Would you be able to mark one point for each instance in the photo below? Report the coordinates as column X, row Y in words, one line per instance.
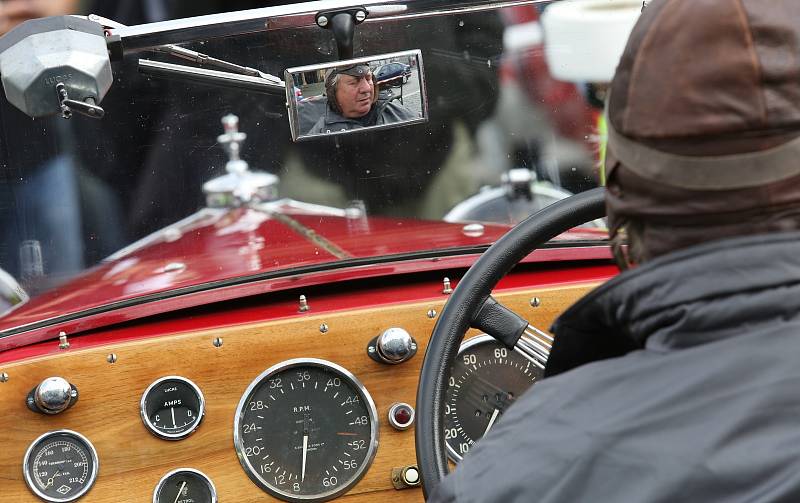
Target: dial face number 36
column 484, row 382
column 306, row 430
column 60, row 466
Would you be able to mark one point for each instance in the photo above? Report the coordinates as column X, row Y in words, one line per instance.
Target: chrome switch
column 51, row 396
column 393, row 346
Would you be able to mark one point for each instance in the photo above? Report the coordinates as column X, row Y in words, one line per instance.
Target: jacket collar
column 682, row 299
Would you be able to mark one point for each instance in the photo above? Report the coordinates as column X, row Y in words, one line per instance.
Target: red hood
column 218, row 245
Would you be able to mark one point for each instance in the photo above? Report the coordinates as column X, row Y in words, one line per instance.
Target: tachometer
column 306, row 430
column 60, row 466
column 484, row 381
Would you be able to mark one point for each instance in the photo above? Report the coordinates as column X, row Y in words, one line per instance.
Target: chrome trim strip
column 135, row 38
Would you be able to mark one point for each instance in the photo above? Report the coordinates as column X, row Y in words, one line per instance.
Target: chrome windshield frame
column 298, row 15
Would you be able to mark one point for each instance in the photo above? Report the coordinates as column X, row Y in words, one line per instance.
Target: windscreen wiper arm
column 227, row 73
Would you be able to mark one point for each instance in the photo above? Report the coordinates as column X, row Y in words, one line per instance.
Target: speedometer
column 485, row 380
column 306, row 430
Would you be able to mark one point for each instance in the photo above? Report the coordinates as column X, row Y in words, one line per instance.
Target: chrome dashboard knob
column 51, row 396
column 393, row 346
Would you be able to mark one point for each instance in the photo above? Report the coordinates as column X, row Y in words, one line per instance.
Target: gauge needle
column 305, row 449
column 491, row 421
column 172, row 410
column 179, row 492
column 51, row 479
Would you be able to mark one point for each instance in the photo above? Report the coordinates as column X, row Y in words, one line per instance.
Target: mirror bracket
column 343, row 25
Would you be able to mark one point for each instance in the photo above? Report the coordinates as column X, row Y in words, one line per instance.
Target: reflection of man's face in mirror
column 355, row 95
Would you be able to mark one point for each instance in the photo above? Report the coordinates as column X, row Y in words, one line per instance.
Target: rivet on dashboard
column 446, row 288
column 303, row 304
column 63, row 343
column 536, row 302
column 217, row 342
column 111, row 358
column 432, row 313
column 323, row 328
column 3, row 377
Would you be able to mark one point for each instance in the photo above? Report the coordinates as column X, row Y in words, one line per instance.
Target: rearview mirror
column 357, row 95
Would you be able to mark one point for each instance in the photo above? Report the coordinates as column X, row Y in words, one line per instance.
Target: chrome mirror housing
column 356, row 95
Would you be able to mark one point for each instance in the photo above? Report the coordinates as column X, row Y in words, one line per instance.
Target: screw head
column 322, row 21
column 361, row 16
column 217, row 342
column 432, row 313
column 3, row 377
column 323, row 328
column 536, row 302
column 111, row 358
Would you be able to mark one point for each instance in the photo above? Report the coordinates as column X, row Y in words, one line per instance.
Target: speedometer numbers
column 306, row 430
column 60, row 466
column 485, row 380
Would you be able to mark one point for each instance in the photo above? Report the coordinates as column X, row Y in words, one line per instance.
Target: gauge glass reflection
column 306, row 430
column 484, row 382
column 60, row 466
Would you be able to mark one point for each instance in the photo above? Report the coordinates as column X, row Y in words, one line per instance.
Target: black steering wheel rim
column 466, row 300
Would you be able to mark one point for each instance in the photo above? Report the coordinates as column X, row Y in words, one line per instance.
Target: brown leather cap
column 704, row 120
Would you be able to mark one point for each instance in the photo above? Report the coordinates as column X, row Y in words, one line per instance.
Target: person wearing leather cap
column 678, row 379
column 354, row 102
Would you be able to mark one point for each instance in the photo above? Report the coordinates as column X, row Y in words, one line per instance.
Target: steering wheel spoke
column 472, row 305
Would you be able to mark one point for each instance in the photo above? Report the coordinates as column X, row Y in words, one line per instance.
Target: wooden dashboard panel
column 132, row 460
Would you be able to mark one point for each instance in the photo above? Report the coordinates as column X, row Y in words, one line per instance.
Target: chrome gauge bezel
column 201, row 409
column 356, row 385
column 92, row 476
column 201, row 475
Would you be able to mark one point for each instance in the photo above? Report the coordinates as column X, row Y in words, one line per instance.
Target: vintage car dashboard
column 262, row 397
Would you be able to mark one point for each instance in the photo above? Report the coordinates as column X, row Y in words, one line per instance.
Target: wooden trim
column 132, row 460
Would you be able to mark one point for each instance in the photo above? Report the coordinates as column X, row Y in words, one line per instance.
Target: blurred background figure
column 14, row 12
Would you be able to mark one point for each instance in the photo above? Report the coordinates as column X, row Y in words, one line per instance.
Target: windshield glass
column 502, row 139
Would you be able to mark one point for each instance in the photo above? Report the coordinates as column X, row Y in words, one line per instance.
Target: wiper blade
column 228, row 76
column 206, row 60
column 214, row 77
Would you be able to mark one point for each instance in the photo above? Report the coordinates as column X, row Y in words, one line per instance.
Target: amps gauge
column 172, row 407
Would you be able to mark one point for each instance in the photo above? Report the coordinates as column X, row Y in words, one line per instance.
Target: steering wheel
column 471, row 305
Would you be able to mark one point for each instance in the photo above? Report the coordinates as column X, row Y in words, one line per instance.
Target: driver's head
column 704, row 119
column 350, row 90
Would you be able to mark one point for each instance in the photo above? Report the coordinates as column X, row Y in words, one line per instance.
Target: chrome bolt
column 63, row 343
column 3, row 377
column 323, row 328
column 361, row 16
column 111, row 358
column 322, row 21
column 303, row 304
column 432, row 313
column 446, row 288
column 536, row 302
column 217, row 342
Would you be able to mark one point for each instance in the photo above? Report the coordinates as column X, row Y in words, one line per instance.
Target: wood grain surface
column 132, row 460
